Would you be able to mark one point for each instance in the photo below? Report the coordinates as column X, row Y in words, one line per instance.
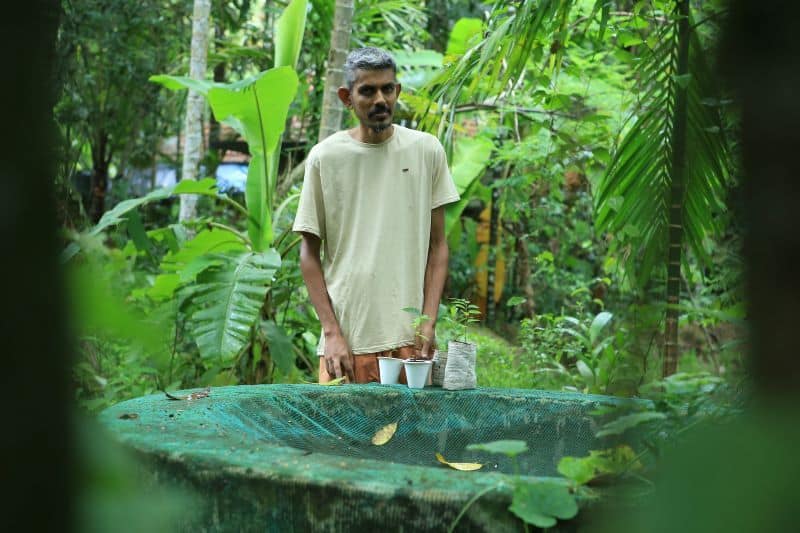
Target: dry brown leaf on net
column 464, row 467
column 384, row 434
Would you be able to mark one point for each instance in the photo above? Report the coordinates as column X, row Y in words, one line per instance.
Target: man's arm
column 435, row 276
column 337, row 352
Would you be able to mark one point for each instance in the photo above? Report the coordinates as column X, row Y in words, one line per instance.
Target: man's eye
column 388, row 89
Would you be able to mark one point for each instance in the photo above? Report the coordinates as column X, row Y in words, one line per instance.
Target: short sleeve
column 310, row 216
column 443, row 189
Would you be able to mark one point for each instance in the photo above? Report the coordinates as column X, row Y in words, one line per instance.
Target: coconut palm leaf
column 229, row 298
column 633, row 197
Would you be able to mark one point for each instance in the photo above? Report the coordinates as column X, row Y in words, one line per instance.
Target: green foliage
column 465, row 34
column 541, row 503
column 535, row 502
column 229, row 297
column 417, row 322
column 461, row 314
column 257, row 109
column 612, row 462
column 108, row 115
column 509, row 448
column 469, row 162
column 289, row 33
column 633, row 198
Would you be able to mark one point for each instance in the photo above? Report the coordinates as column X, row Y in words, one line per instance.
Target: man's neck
column 367, row 135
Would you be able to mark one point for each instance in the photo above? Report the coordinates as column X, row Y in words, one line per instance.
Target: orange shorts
column 365, row 366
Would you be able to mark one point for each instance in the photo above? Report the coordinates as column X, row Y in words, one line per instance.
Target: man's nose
column 380, row 98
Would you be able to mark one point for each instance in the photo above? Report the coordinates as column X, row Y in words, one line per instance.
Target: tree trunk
column 438, row 27
column 491, row 261
column 331, row 119
column 524, row 271
column 100, row 162
column 193, row 147
column 679, row 120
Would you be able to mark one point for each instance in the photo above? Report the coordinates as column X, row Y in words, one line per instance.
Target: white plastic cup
column 389, row 369
column 417, row 373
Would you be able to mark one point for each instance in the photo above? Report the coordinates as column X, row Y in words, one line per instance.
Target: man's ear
column 344, row 96
column 397, row 89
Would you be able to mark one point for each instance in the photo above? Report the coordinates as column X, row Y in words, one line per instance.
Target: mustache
column 380, row 109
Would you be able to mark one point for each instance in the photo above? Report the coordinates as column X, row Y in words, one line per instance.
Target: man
column 373, row 199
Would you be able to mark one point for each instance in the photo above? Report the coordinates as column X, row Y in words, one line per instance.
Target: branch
column 475, row 106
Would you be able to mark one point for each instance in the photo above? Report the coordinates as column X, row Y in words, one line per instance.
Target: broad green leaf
column 280, row 345
column 206, row 186
column 137, row 232
column 177, row 83
column 197, row 265
column 626, row 38
column 466, row 33
column 515, row 301
column 540, row 503
column 259, row 106
column 624, row 423
column 210, row 241
column 164, row 287
column 416, row 68
column 580, row 470
column 117, row 215
column 229, row 299
column 470, row 158
column 598, row 324
column 417, row 58
column 511, row 448
column 260, row 103
column 472, row 155
column 195, row 256
column 289, row 30
column 585, row 371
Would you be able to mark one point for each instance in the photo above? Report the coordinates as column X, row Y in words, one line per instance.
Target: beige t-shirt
column 371, row 206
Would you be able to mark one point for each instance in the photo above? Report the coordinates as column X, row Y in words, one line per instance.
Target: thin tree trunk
column 437, row 24
column 99, row 186
column 331, row 119
column 193, row 147
column 677, row 194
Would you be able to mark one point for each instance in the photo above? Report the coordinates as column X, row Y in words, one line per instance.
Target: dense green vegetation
column 595, row 153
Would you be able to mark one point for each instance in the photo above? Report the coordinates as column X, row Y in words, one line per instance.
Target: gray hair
column 366, row 59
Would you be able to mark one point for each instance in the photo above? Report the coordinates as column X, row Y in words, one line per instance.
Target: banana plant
column 222, row 275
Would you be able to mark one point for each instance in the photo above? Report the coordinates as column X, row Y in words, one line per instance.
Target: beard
column 377, row 128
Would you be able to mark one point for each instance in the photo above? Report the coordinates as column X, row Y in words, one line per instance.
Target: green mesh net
column 315, row 442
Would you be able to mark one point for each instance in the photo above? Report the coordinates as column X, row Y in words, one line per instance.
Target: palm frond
column 635, row 190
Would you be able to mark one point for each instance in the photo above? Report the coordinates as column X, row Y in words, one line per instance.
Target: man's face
column 373, row 97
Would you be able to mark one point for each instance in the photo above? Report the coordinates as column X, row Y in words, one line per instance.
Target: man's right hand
column 338, row 360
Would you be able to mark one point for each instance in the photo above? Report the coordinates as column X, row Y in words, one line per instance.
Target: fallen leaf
column 337, row 381
column 128, row 416
column 384, row 434
column 464, row 467
column 200, row 394
column 193, row 396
